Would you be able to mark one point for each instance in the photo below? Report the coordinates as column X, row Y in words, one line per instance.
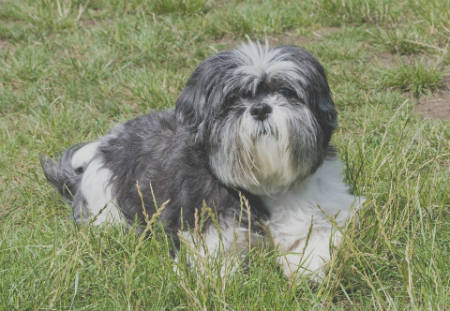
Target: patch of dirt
column 4, row 44
column 321, row 33
column 92, row 23
column 289, row 39
column 301, row 40
column 436, row 105
column 389, row 60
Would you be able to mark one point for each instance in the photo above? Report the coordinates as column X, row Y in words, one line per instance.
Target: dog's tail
column 60, row 172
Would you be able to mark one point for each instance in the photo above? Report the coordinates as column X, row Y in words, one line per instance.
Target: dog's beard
column 265, row 157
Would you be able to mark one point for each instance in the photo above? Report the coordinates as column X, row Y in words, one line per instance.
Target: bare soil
column 437, row 104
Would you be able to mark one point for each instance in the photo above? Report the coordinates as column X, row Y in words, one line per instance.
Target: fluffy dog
column 253, row 122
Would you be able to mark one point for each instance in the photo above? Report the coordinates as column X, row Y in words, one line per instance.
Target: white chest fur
column 300, row 222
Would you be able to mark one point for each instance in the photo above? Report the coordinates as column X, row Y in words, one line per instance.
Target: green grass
column 417, row 79
column 71, row 69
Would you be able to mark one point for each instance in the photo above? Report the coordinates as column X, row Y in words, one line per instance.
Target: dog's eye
column 286, row 92
column 247, row 94
column 79, row 170
column 231, row 99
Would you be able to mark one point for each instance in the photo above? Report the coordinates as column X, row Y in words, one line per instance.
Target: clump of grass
column 398, row 40
column 417, row 79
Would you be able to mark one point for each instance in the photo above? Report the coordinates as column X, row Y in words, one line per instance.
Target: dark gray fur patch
column 151, row 151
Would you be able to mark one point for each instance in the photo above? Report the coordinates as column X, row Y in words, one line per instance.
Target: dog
column 252, row 125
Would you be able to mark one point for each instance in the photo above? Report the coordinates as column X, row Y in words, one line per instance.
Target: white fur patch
column 96, row 190
column 324, row 194
column 211, row 242
column 267, row 164
column 260, row 61
column 301, row 224
column 227, row 243
column 84, row 155
column 94, row 186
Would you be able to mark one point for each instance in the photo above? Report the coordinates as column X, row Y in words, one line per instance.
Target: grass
column 417, row 78
column 70, row 70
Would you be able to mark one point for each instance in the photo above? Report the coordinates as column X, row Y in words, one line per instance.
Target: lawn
column 71, row 69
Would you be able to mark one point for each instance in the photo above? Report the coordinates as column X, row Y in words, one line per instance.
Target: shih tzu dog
column 252, row 123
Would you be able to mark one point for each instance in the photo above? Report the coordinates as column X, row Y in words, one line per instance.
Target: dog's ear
column 314, row 82
column 190, row 103
column 319, row 91
column 203, row 93
column 192, row 106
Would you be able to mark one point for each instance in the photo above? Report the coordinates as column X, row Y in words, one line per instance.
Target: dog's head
column 264, row 115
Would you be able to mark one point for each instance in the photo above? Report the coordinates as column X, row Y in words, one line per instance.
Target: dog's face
column 264, row 115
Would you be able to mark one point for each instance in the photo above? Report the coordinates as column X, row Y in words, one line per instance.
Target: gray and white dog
column 255, row 121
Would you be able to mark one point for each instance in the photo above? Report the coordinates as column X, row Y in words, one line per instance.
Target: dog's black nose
column 260, row 111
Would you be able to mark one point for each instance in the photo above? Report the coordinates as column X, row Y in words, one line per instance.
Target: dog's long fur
column 255, row 120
